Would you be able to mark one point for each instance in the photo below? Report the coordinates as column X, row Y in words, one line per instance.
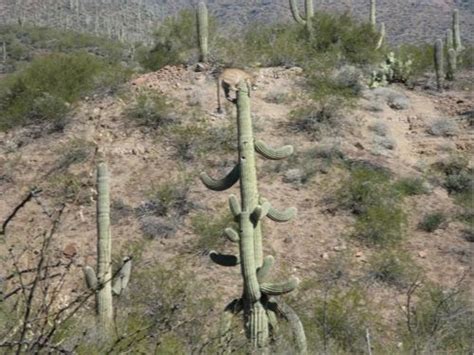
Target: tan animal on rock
column 229, row 80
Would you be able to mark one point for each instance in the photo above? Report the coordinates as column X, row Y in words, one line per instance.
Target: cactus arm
column 260, row 212
column 203, row 31
column 232, row 235
column 224, row 259
column 452, row 65
column 292, row 318
column 224, row 183
column 281, row 216
column 382, row 36
column 90, row 277
column 263, row 271
column 272, row 320
column 234, row 206
column 276, row 289
column 296, row 13
column 457, row 31
column 123, row 276
column 271, row 153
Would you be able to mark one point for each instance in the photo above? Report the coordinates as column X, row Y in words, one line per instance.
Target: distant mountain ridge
column 406, row 21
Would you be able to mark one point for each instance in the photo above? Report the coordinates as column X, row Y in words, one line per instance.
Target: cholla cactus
column 258, row 303
column 439, row 63
column 203, row 31
column 104, row 282
column 390, row 71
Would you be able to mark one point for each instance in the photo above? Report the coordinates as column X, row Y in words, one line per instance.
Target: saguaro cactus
column 203, row 31
column 373, row 18
column 439, row 63
column 309, row 9
column 381, row 37
column 457, row 31
column 449, row 39
column 451, row 67
column 102, row 282
column 258, row 303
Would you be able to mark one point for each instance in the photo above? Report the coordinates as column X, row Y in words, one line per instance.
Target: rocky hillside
column 135, row 20
column 406, row 143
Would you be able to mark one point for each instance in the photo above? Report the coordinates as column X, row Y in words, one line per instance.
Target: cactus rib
column 273, row 153
column 223, row 184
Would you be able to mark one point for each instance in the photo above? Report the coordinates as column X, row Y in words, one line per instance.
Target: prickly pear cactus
column 203, row 31
column 258, row 303
column 102, row 281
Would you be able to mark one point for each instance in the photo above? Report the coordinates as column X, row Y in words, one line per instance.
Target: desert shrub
column 420, row 55
column 46, row 88
column 432, row 221
column 443, row 127
column 440, row 321
column 372, row 196
column 392, row 267
column 75, row 151
column 150, row 110
column 411, row 186
column 458, row 176
column 210, row 229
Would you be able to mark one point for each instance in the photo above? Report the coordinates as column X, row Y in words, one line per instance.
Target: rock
column 341, row 247
column 422, row 254
column 70, row 250
column 325, row 256
column 398, row 102
column 359, row 145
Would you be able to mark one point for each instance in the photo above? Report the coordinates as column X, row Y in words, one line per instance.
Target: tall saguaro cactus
column 203, row 31
column 309, row 9
column 258, row 303
column 439, row 63
column 101, row 282
column 457, row 31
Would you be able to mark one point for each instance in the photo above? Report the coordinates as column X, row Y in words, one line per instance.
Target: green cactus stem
column 457, row 31
column 439, row 63
column 373, row 19
column 224, row 259
column 452, row 65
column 281, row 216
column 104, row 252
column 271, row 153
column 203, row 31
column 260, row 212
column 306, row 21
column 90, row 277
column 234, row 206
column 449, row 39
column 223, row 184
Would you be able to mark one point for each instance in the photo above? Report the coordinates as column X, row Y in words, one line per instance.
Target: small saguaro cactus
column 439, row 63
column 258, row 302
column 309, row 9
column 104, row 283
column 203, row 31
column 451, row 67
column 457, row 31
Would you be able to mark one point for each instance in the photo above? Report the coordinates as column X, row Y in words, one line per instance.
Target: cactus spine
column 451, row 67
column 101, row 282
column 456, row 31
column 257, row 303
column 203, row 31
column 309, row 9
column 439, row 63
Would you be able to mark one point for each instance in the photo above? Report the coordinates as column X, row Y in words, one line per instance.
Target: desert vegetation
column 110, row 229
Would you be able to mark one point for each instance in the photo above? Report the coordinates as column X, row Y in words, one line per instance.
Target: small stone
column 293, row 176
column 70, row 250
column 340, row 247
column 359, row 145
column 325, row 256
column 422, row 254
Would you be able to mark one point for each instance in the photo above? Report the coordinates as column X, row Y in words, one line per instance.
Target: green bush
column 411, row 186
column 46, row 88
column 420, row 55
column 150, row 110
column 432, row 221
column 392, row 267
column 440, row 322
